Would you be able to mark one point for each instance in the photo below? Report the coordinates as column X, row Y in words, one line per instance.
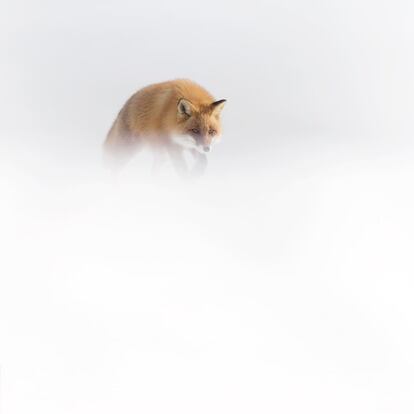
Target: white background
column 282, row 281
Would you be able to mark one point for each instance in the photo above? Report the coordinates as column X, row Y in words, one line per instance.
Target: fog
column 281, row 280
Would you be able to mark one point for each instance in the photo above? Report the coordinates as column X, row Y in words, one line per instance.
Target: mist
column 281, row 280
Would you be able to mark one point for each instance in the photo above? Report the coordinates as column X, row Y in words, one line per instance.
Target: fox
column 171, row 118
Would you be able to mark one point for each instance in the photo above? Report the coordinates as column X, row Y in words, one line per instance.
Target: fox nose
column 206, row 149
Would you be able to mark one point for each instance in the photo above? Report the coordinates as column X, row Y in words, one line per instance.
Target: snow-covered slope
column 282, row 281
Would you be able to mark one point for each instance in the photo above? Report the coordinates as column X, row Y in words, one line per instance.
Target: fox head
column 199, row 126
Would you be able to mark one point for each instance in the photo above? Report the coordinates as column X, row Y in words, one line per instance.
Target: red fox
column 169, row 117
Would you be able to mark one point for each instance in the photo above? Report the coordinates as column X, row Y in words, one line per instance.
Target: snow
column 281, row 281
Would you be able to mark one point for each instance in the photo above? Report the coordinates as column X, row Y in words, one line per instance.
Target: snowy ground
column 282, row 281
column 284, row 290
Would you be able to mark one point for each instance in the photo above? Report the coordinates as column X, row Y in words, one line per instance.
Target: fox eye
column 212, row 132
column 195, row 131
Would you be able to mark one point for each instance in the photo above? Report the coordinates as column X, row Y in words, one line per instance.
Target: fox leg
column 177, row 157
column 200, row 163
column 159, row 159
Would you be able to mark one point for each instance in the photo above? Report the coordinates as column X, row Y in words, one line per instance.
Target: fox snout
column 203, row 147
column 201, row 143
column 205, row 144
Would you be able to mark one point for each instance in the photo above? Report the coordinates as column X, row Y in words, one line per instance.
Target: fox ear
column 217, row 106
column 185, row 108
